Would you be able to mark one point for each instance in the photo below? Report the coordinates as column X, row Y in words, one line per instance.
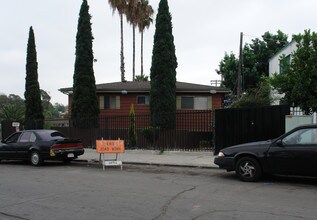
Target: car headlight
column 221, row 154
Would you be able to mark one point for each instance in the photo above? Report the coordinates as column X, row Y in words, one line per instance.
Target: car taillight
column 68, row 145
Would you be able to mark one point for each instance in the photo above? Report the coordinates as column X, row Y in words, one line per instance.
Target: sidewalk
column 150, row 157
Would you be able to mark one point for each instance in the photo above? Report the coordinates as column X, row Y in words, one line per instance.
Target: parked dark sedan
column 39, row 145
column 294, row 153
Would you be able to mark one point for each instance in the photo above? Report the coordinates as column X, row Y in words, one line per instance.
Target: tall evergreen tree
column 85, row 110
column 132, row 131
column 163, row 71
column 34, row 117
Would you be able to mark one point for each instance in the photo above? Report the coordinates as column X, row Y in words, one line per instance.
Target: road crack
column 256, row 212
column 38, row 198
column 13, row 216
column 169, row 202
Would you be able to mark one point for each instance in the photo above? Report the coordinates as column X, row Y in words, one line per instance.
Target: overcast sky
column 203, row 31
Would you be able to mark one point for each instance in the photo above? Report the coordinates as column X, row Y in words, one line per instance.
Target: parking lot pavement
column 203, row 159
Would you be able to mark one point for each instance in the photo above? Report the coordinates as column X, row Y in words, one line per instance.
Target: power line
column 248, row 35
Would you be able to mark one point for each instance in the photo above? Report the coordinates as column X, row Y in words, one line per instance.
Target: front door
column 8, row 147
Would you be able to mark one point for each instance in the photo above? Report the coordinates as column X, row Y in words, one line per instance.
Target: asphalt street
column 84, row 191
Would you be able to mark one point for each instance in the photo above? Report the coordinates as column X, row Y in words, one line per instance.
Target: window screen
column 201, row 103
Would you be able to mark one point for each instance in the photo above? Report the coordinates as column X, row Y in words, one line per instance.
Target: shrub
column 151, row 134
column 204, row 144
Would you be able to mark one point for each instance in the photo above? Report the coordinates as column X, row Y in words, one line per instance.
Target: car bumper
column 226, row 163
column 58, row 153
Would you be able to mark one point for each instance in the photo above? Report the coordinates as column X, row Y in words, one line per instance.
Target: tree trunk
column 142, row 54
column 121, row 52
column 133, row 67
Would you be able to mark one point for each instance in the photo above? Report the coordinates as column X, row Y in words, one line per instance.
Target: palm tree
column 132, row 17
column 12, row 112
column 145, row 19
column 120, row 6
column 141, row 78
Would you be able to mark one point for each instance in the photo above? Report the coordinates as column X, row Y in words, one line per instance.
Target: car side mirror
column 279, row 143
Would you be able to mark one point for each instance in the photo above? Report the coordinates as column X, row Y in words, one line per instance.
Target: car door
column 8, row 146
column 295, row 154
column 24, row 143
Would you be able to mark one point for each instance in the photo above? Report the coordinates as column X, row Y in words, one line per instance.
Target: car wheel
column 248, row 169
column 35, row 158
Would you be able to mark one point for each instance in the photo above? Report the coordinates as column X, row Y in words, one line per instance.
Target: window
column 143, row 100
column 109, row 102
column 13, row 138
column 306, row 136
column 28, row 137
column 187, row 103
column 286, row 59
column 201, row 103
column 44, row 135
column 194, row 103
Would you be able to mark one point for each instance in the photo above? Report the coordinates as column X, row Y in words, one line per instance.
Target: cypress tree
column 132, row 131
column 84, row 109
column 163, row 71
column 34, row 118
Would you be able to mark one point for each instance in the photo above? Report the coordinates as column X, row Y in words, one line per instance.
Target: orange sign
column 109, row 146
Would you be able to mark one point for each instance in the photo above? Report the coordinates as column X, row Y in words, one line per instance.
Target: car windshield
column 50, row 135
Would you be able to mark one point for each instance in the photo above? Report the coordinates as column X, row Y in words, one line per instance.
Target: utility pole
column 239, row 83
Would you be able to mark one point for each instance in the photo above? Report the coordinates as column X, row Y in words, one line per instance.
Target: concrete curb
column 94, row 162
